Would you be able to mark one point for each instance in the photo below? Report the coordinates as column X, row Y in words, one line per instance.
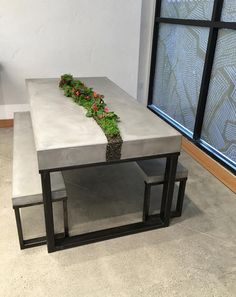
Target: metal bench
column 26, row 181
column 153, row 172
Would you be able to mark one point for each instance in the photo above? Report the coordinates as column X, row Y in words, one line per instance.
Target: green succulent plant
column 92, row 102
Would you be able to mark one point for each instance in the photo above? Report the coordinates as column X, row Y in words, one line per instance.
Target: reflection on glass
column 229, row 11
column 180, row 61
column 187, row 9
column 219, row 126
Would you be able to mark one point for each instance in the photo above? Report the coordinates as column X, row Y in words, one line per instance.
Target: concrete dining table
column 66, row 139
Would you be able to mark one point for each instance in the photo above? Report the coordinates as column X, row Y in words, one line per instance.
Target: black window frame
column 214, row 25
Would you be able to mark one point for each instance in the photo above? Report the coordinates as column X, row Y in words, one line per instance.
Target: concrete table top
column 64, row 136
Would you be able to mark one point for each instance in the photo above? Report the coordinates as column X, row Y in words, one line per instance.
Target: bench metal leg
column 19, row 227
column 167, row 194
column 65, row 215
column 146, row 202
column 33, row 242
column 30, row 242
column 180, row 199
column 179, row 204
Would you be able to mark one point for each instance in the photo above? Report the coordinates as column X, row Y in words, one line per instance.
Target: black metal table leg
column 149, row 222
column 168, row 188
column 48, row 211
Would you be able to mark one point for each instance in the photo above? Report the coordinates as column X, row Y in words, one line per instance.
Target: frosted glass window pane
column 219, row 126
column 180, row 61
column 229, row 11
column 187, row 9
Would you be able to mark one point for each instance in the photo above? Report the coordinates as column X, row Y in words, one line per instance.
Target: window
column 193, row 73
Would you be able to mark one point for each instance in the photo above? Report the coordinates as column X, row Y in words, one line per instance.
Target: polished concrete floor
column 195, row 256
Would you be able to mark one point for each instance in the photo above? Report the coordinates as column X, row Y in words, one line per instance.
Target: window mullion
column 206, row 77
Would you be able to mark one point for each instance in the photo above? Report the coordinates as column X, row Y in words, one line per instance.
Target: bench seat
column 153, row 172
column 26, row 180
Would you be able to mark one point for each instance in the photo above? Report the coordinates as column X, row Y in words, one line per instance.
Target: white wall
column 146, row 37
column 47, row 38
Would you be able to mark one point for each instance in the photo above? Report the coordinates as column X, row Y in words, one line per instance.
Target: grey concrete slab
column 65, row 137
column 153, row 170
column 194, row 257
column 26, row 187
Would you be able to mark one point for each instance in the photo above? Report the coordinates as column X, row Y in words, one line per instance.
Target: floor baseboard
column 6, row 123
column 225, row 176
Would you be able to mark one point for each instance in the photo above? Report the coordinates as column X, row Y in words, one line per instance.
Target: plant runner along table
column 66, row 139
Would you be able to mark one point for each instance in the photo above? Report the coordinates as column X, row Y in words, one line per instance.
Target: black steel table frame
column 152, row 222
